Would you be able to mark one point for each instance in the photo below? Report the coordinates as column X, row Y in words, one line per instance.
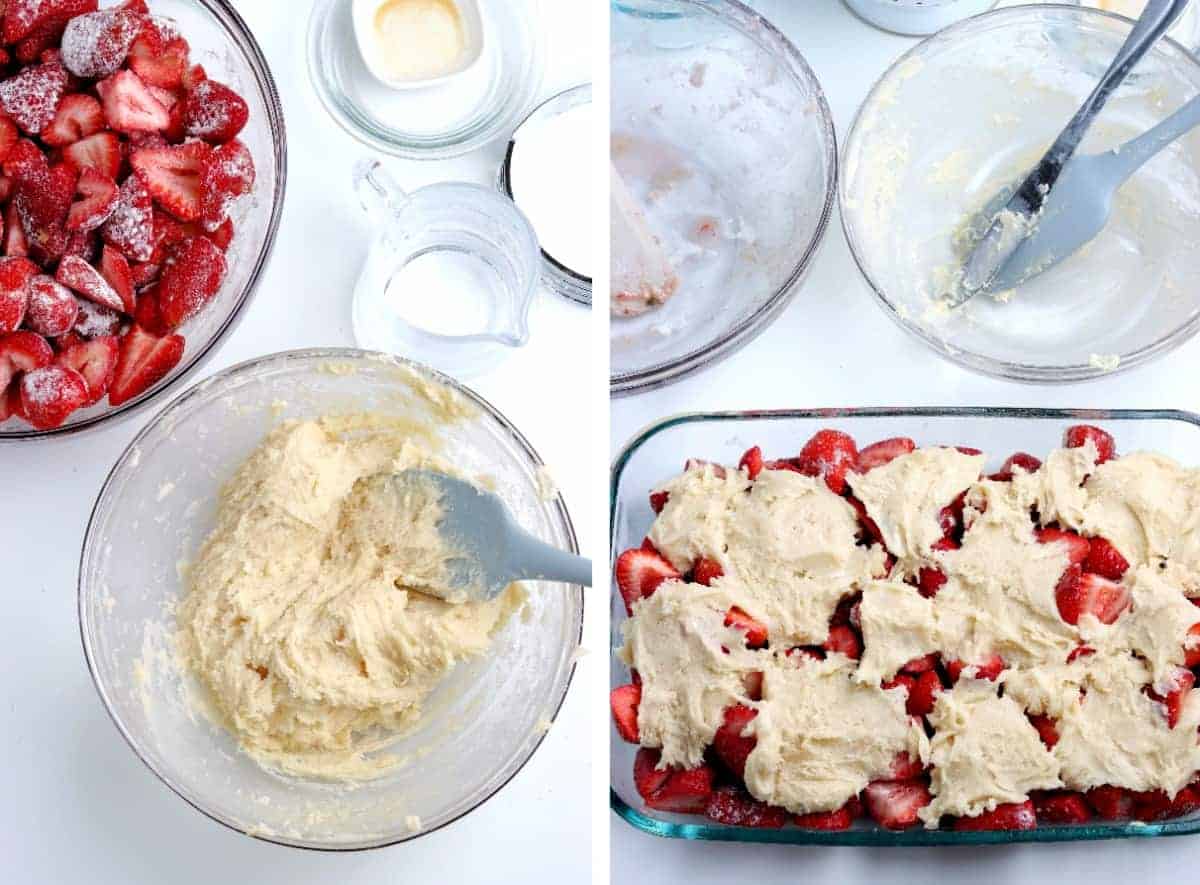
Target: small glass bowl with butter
column 408, row 44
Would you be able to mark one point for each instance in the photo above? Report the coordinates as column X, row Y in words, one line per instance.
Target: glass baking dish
column 659, row 452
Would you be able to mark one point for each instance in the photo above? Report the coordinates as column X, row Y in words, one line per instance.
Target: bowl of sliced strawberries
column 142, row 171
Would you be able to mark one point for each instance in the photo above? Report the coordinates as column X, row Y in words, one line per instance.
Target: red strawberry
column 9, row 135
column 756, row 633
column 53, row 310
column 1111, row 803
column 952, row 516
column 42, row 200
column 1061, row 807
column 752, row 462
column 1078, row 436
column 144, row 274
column 624, row 702
column 131, row 226
column 1105, row 560
column 78, row 116
column 101, row 152
column 144, row 360
column 1154, row 805
column 705, row 571
column 96, row 44
column 228, row 175
column 830, row 454
column 31, row 97
column 671, row 789
column 734, row 807
column 222, row 237
column 1191, row 646
column 731, row 747
column 147, row 313
column 215, row 112
column 1175, row 689
column 15, row 274
column 24, row 17
column 130, row 106
column 96, row 361
column 923, row 694
column 1076, row 547
column 844, row 640
column 10, row 403
column 905, row 768
column 842, row 819
column 191, row 280
column 1047, row 729
column 97, row 204
column 782, row 465
column 22, row 351
column 84, row 279
column 989, row 668
column 920, row 665
column 870, row 528
column 15, row 244
column 173, row 176
column 894, row 804
column 1081, row 593
column 157, row 61
column 96, row 320
column 50, row 394
column 658, row 500
column 884, row 452
column 1026, row 462
column 1014, row 816
column 639, row 572
column 931, row 579
column 115, row 270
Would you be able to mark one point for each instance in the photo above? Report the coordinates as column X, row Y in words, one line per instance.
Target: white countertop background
column 77, row 805
column 833, row 346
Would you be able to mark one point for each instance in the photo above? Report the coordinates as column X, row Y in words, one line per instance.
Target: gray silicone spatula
column 1080, row 204
column 489, row 550
column 1016, row 219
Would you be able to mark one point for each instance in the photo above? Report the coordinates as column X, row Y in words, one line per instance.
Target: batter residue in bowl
column 304, row 618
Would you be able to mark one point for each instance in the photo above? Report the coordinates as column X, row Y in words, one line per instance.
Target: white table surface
column 77, row 805
column 873, row 363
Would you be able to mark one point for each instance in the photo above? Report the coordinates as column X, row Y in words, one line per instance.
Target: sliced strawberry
column 624, row 702
column 752, row 462
column 731, row 747
column 1026, row 462
column 756, row 632
column 1047, row 729
column 228, row 175
column 830, row 454
column 22, row 351
column 989, row 668
column 15, row 274
column 1111, row 803
column 173, row 176
column 215, row 112
column 81, row 277
column 705, row 571
column 24, row 17
column 871, row 532
column 144, row 274
column 222, row 237
column 844, row 640
column 1174, row 691
column 894, row 804
column 1013, row 816
column 49, row 395
column 147, row 313
column 1105, row 560
column 78, row 116
column 639, row 573
column 1078, row 436
column 1155, row 805
column 884, row 452
column 923, row 694
column 6, row 184
column 96, row 44
column 906, row 768
column 1080, row 593
column 952, row 516
column 101, row 152
column 15, row 244
column 1061, row 807
column 842, row 819
column 96, row 320
column 9, row 136
column 930, row 579
column 671, row 789
column 130, row 229
column 144, row 360
column 1191, row 646
column 1076, row 547
column 115, row 270
column 42, row 200
column 658, row 500
column 96, row 204
column 157, row 61
column 920, row 665
column 53, row 310
column 31, row 97
column 130, row 106
column 96, row 361
column 734, row 807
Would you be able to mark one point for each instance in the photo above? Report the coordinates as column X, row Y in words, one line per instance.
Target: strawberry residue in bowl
column 121, row 165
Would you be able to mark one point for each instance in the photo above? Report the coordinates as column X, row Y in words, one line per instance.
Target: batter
column 308, row 616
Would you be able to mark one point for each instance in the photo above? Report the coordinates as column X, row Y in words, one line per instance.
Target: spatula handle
column 1132, row 155
column 533, row 560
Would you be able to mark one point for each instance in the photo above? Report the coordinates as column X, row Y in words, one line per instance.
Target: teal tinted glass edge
column 867, row 835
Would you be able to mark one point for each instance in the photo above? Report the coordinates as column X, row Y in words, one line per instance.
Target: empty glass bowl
column 158, row 505
column 221, row 42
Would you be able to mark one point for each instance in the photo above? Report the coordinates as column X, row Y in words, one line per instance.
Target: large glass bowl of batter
column 965, row 114
column 723, row 134
column 480, row 726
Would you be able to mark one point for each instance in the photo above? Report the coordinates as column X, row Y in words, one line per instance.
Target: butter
column 410, row 41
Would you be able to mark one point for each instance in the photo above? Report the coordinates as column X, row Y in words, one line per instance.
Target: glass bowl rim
column 180, row 406
column 749, row 328
column 1027, row 373
column 229, row 19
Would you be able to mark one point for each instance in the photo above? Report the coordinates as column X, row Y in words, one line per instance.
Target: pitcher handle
column 380, row 195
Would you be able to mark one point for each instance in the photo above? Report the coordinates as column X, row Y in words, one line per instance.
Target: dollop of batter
column 308, row 617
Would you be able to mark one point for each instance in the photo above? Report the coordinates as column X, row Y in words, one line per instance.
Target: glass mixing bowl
column 724, row 136
column 222, row 42
column 481, row 725
column 965, row 114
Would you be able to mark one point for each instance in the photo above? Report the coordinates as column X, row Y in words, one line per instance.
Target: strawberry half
column 1061, row 807
column 31, row 97
column 756, row 632
column 130, row 228
column 830, row 454
column 731, row 747
column 95, row 361
column 174, row 177
column 190, row 281
column 671, row 789
column 624, row 702
column 117, row 273
column 1079, row 593
column 214, row 112
column 1174, row 691
column 23, row 18
column 1081, row 434
column 53, row 310
column 842, row 819
column 705, row 571
column 1111, row 803
column 143, row 361
column 50, row 394
column 989, row 668
column 77, row 116
column 923, row 694
column 96, row 44
column 894, row 804
column 1105, row 560
column 884, row 452
column 734, row 807
column 640, row 572
column 159, row 62
column 81, row 277
column 1076, row 547
column 1013, row 816
column 15, row 274
column 130, row 106
column 22, row 351
column 1026, row 462
column 227, row 176
column 96, row 204
column 752, row 462
column 1191, row 646
column 101, row 152
column 844, row 640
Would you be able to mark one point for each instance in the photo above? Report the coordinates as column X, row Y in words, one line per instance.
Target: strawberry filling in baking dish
column 890, row 632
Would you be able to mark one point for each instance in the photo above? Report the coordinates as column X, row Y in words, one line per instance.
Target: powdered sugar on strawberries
column 130, row 228
column 32, row 96
column 96, row 44
column 95, row 320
